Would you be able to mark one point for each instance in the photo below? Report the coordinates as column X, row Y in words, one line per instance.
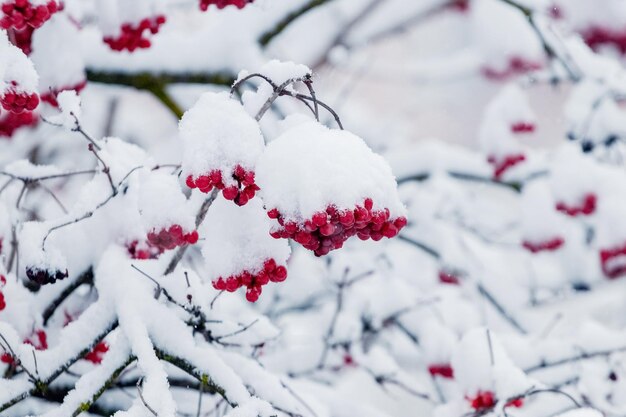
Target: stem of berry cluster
column 178, row 256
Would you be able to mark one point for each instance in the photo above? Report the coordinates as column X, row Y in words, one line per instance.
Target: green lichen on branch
column 157, row 83
column 86, row 405
column 209, row 386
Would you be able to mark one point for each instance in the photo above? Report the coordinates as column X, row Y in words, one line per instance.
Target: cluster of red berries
column 132, row 35
column 21, row 13
column 50, row 97
column 443, row 370
column 449, row 277
column 44, row 276
column 243, row 191
column 96, row 355
column 3, row 282
column 599, row 36
column 220, row 4
column 253, row 282
column 500, row 166
column 167, row 239
column 143, row 250
column 39, row 340
column 516, row 66
column 17, row 102
column 523, row 127
column 10, row 122
column 587, row 207
column 613, row 269
column 328, row 230
column 547, row 245
column 485, row 400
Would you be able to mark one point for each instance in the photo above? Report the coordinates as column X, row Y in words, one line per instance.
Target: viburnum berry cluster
column 447, row 276
column 17, row 101
column 516, row 66
column 220, row 4
column 3, row 282
column 523, row 127
column 96, row 355
column 586, row 207
column 321, row 227
column 242, row 191
column 143, row 250
column 613, row 261
column 169, row 238
column 597, row 36
column 547, row 245
column 18, row 14
column 133, row 36
column 328, row 230
column 484, row 400
column 44, row 276
column 253, row 282
column 504, row 164
column 443, row 370
column 10, row 122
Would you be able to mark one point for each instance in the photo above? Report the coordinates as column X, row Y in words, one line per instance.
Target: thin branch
column 178, row 256
column 268, row 36
column 85, row 278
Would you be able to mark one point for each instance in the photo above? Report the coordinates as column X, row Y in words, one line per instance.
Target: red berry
column 192, row 237
column 280, row 274
column 3, row 303
column 253, row 293
column 442, row 370
column 230, row 192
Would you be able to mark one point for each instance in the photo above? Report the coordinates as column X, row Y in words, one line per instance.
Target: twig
column 143, row 400
column 178, row 256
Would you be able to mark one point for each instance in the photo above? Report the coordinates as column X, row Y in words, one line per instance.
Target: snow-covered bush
column 192, row 224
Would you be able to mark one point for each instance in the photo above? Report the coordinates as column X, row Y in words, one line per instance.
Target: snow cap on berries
column 238, row 239
column 481, row 364
column 310, row 167
column 54, row 54
column 218, row 134
column 162, row 203
column 504, row 56
column 508, row 114
column 542, row 227
column 44, row 264
column 18, row 78
column 574, row 182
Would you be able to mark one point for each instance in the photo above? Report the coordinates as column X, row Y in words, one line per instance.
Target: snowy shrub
column 201, row 216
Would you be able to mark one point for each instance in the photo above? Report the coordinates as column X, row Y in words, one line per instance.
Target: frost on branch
column 239, row 250
column 323, row 186
column 221, row 146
